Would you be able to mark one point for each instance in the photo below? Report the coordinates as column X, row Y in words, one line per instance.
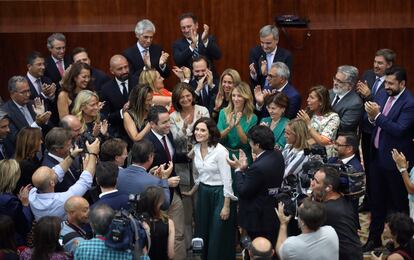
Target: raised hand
column 204, row 36
column 252, row 70
column 163, row 58
column 43, row 118
column 104, row 127
column 363, row 89
column 263, row 67
column 218, row 101
column 38, row 106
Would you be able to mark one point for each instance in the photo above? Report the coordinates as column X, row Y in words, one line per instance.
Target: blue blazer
column 354, row 162
column 134, row 180
column 396, row 130
column 116, row 200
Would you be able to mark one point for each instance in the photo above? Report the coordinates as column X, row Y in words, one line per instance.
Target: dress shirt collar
column 347, row 159
column 19, row 106
column 32, row 79
column 272, row 53
column 57, row 158
column 120, row 86
column 397, row 96
column 107, row 192
column 189, row 40
column 283, row 87
column 158, row 135
column 342, row 95
column 141, row 49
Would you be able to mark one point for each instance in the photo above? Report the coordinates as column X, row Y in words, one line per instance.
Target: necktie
column 195, row 51
column 375, row 86
column 38, row 87
column 27, row 115
column 335, row 101
column 167, row 151
column 205, row 97
column 385, row 112
column 124, row 90
column 146, row 57
column 60, row 67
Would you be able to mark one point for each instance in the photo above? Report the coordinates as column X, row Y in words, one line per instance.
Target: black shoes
column 370, row 245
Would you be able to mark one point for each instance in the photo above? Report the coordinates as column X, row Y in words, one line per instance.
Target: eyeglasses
column 59, row 48
column 340, row 145
column 24, row 92
column 272, row 76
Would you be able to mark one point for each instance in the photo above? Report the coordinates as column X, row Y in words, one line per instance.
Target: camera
column 197, row 245
column 317, row 158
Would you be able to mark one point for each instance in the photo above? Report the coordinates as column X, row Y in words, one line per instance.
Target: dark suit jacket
column 160, row 156
column 208, row 101
column 52, row 71
column 396, row 130
column 50, row 105
column 370, row 77
column 99, row 79
column 257, row 55
column 8, row 148
column 354, row 162
column 294, row 103
column 136, row 63
column 116, row 200
column 256, row 207
column 349, row 109
column 70, row 177
column 114, row 102
column 183, row 56
column 134, row 180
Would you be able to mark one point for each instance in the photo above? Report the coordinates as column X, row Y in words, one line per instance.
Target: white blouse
column 213, row 169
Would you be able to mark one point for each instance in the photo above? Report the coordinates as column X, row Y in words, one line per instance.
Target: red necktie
column 167, row 151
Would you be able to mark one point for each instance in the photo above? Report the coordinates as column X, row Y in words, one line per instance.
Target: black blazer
column 136, row 63
column 70, row 177
column 52, row 71
column 8, row 147
column 257, row 55
column 99, row 79
column 256, row 207
column 208, row 102
column 114, row 102
column 160, row 156
column 183, row 56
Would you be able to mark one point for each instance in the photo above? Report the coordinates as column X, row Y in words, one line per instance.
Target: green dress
column 278, row 131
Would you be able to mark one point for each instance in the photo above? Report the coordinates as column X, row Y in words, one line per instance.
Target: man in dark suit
column 57, row 62
column 193, row 44
column 115, row 94
column 41, row 86
column 278, row 78
column 370, row 88
column 164, row 153
column 58, row 143
column 6, row 146
column 344, row 100
column 144, row 53
column 135, row 179
column 263, row 56
column 393, row 120
column 256, row 206
column 106, row 177
column 20, row 109
column 98, row 77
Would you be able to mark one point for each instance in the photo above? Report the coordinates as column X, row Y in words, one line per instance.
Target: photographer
column 256, row 214
column 325, row 186
column 260, row 249
column 315, row 242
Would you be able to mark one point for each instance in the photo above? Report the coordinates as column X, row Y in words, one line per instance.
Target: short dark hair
column 141, row 151
column 56, row 138
column 153, row 113
column 263, row 136
column 188, row 15
column 332, row 178
column 176, row 95
column 312, row 213
column 200, row 58
column 33, row 56
column 351, row 140
column 78, row 50
column 402, row 227
column 107, row 174
column 112, row 148
column 388, row 54
column 280, row 99
column 399, row 73
column 214, row 133
column 100, row 218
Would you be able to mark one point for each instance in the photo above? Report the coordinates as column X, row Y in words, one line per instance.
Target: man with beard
column 344, row 100
column 115, row 94
column 393, row 119
column 325, row 186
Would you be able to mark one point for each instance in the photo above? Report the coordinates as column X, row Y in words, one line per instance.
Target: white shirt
column 107, row 192
column 169, row 144
column 340, row 96
column 62, row 62
column 213, row 169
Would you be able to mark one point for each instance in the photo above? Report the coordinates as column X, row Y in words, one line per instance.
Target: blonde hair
column 233, row 74
column 9, row 175
column 81, row 101
column 148, row 77
column 300, row 130
column 246, row 93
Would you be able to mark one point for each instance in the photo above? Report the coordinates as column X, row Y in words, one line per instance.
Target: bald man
column 115, row 94
column 261, row 248
column 73, row 123
column 72, row 233
column 43, row 199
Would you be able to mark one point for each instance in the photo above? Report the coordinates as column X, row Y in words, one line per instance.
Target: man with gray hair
column 57, row 62
column 22, row 111
column 144, row 53
column 264, row 55
column 278, row 80
column 344, row 99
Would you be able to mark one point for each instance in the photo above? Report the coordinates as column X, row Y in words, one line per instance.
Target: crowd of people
column 207, row 156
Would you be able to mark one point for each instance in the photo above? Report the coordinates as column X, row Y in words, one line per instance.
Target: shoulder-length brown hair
column 301, row 132
column 27, row 143
column 322, row 94
column 69, row 83
column 176, row 95
column 213, row 132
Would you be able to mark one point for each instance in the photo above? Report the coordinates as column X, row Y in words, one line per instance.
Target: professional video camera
column 127, row 231
column 316, row 159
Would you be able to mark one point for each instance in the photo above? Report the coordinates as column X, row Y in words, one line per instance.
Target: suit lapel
column 18, row 115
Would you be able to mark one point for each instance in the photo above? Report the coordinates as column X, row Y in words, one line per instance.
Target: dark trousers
column 366, row 154
column 388, row 195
